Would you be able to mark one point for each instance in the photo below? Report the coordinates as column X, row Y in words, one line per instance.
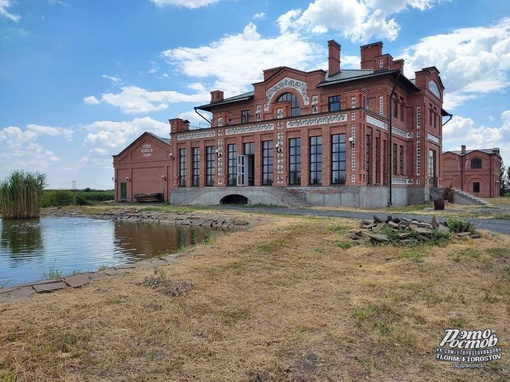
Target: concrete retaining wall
column 358, row 197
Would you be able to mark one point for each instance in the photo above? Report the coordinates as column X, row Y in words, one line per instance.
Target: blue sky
column 81, row 79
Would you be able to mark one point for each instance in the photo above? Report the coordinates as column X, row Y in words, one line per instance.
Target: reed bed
column 20, row 195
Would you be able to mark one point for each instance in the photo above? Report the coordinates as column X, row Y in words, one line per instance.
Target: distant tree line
column 85, row 197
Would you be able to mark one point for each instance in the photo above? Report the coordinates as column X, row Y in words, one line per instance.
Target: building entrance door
column 123, row 191
column 245, row 170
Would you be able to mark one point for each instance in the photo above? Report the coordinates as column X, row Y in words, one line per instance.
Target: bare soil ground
column 290, row 299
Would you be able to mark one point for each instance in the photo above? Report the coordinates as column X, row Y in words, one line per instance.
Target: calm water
column 31, row 248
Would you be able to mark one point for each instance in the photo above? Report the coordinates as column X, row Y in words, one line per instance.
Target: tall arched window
column 294, row 108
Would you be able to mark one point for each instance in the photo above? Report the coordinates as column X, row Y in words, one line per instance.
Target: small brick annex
column 320, row 136
column 476, row 172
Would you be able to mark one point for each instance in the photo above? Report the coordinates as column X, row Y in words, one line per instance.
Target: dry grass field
column 290, row 299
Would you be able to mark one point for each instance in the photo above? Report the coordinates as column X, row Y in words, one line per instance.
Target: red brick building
column 321, row 136
column 476, row 172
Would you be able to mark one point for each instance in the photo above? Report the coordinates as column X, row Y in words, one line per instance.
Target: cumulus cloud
column 472, row 61
column 91, row 100
column 191, row 4
column 4, row 4
column 135, row 100
column 51, row 131
column 214, row 63
column 111, row 134
column 21, row 147
column 463, row 130
column 357, row 20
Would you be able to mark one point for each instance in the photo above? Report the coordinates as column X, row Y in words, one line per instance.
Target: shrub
column 449, row 194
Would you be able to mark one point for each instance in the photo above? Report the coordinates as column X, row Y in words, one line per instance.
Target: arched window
column 434, row 88
column 294, row 108
column 476, row 163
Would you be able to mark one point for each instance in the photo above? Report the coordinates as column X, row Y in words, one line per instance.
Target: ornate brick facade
column 327, row 129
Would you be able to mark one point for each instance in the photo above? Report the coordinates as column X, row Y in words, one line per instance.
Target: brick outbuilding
column 367, row 137
column 476, row 172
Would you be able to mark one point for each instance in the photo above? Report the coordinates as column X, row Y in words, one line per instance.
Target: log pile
column 407, row 231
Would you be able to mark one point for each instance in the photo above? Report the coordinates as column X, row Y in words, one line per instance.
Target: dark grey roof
column 347, row 75
column 225, row 101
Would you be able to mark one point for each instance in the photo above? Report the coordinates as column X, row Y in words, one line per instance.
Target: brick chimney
column 216, row 96
column 463, row 149
column 369, row 53
column 178, row 125
column 334, row 57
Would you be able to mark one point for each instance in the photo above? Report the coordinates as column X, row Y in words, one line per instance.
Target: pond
column 32, row 250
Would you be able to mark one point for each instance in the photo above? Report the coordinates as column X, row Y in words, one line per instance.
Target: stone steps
column 470, row 199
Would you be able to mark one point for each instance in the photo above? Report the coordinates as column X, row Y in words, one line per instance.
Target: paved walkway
column 79, row 280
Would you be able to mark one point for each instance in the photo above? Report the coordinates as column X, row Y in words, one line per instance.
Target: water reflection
column 30, row 248
column 19, row 237
column 147, row 240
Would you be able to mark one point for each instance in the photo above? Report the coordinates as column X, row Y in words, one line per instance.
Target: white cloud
column 110, row 134
column 91, row 100
column 235, row 61
column 4, row 4
column 260, row 15
column 462, row 131
column 52, row 131
column 13, row 135
column 191, row 4
column 135, row 100
column 21, row 148
column 357, row 20
column 472, row 61
column 111, row 78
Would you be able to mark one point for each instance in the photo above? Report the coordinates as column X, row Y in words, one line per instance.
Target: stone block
column 42, row 288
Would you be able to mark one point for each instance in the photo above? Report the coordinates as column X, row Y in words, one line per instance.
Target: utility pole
column 74, row 192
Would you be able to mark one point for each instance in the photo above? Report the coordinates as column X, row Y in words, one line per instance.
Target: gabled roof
column 494, row 151
column 165, row 141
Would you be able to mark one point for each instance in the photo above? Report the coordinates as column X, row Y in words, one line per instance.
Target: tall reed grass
column 20, row 195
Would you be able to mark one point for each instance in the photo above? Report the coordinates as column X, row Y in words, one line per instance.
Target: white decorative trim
column 353, row 150
column 305, row 122
column 280, row 156
column 287, row 82
column 418, row 117
column 401, row 133
column 196, row 135
column 219, row 161
column 418, row 158
column 249, row 129
column 432, row 138
column 376, row 122
column 402, row 181
column 146, row 150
